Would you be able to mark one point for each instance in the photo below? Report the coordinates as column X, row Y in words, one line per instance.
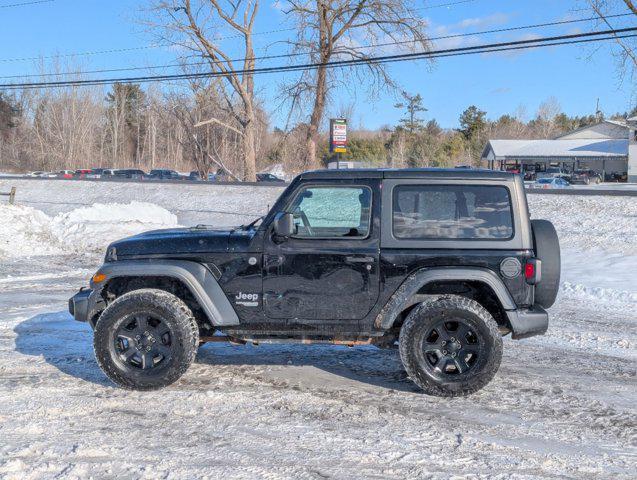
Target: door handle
column 273, row 261
column 359, row 259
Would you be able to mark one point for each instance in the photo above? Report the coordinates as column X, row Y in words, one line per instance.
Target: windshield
column 545, row 180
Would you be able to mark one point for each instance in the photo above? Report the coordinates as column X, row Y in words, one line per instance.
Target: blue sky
column 576, row 75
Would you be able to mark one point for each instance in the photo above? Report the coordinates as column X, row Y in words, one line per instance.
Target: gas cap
column 510, row 267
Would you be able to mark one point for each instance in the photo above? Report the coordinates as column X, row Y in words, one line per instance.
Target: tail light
column 533, row 271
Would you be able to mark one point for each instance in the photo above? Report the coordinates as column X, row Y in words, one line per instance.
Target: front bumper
column 85, row 305
column 528, row 322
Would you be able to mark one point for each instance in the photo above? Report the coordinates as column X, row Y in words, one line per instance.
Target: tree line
column 130, row 127
column 221, row 122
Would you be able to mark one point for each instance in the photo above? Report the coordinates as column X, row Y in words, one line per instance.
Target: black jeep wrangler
column 442, row 263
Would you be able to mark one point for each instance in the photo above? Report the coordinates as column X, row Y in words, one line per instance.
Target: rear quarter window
column 452, row 212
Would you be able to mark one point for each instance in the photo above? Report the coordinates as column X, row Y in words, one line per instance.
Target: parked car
column 163, row 174
column 617, row 177
column 36, row 174
column 132, row 173
column 268, row 177
column 196, row 177
column 108, row 173
column 529, row 173
column 95, row 173
column 82, row 173
column 297, row 276
column 553, row 172
column 586, row 177
column 555, row 182
column 66, row 174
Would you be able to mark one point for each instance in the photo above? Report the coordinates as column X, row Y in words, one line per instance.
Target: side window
column 332, row 212
column 452, row 212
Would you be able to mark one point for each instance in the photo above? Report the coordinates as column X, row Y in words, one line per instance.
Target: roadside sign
column 338, row 135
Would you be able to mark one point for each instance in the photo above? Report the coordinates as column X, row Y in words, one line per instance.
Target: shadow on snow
column 68, row 346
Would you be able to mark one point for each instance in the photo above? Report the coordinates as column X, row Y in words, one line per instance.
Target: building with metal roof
column 608, row 147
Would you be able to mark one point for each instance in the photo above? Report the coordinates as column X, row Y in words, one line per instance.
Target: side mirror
column 284, row 224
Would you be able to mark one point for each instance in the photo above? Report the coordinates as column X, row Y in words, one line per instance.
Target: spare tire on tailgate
column 547, row 249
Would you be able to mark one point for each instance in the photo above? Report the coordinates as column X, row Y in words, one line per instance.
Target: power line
column 22, row 4
column 484, row 48
column 81, row 54
column 287, row 55
column 161, row 45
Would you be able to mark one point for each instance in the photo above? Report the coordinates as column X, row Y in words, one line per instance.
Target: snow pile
column 28, row 232
column 93, row 228
column 25, row 232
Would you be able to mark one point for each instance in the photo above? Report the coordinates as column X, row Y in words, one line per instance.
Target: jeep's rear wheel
column 450, row 346
column 146, row 339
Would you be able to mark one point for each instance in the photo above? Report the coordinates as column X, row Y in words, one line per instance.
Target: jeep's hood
column 178, row 241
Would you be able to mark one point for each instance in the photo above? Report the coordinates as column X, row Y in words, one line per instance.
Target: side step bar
column 256, row 340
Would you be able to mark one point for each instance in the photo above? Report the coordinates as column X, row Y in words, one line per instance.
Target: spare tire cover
column 547, row 249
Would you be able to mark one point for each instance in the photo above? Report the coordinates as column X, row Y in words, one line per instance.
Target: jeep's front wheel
column 450, row 346
column 146, row 339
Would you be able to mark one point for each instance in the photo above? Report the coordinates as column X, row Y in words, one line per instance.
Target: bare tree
column 66, row 123
column 627, row 47
column 334, row 29
column 195, row 25
column 206, row 143
column 545, row 119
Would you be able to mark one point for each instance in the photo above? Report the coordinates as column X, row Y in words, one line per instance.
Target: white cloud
column 458, row 28
column 485, row 22
column 500, row 90
column 514, row 53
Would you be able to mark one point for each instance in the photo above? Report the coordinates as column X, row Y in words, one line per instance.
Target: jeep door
column 328, row 269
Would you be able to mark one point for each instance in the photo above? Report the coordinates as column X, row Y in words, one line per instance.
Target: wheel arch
column 195, row 278
column 484, row 285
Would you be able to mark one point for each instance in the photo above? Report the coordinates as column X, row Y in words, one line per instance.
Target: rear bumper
column 85, row 304
column 528, row 322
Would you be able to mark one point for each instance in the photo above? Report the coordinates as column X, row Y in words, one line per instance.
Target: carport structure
column 602, row 147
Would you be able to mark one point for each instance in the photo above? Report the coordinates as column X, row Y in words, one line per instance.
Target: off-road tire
column 422, row 318
column 174, row 313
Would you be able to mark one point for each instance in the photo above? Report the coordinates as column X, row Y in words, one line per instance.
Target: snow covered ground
column 192, row 202
column 563, row 405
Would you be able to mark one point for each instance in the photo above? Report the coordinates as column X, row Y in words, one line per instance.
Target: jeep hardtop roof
column 439, row 173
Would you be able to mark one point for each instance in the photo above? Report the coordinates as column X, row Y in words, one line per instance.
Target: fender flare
column 406, row 295
column 196, row 277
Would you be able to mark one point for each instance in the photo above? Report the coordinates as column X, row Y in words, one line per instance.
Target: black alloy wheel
column 143, row 341
column 451, row 347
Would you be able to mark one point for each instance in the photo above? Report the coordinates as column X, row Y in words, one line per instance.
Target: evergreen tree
column 413, row 106
column 472, row 122
column 9, row 113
